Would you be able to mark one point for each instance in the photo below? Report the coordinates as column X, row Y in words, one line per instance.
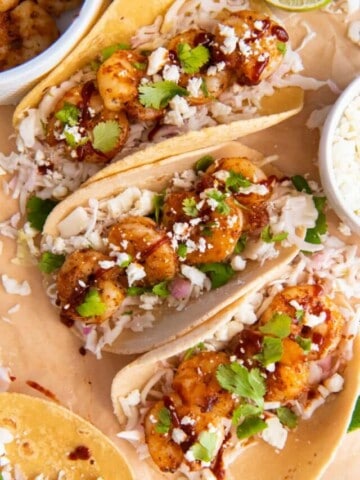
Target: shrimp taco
column 204, row 73
column 272, row 381
column 141, row 257
column 42, row 440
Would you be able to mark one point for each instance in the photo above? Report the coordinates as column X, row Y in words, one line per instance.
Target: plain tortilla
column 169, row 323
column 308, row 450
column 45, row 434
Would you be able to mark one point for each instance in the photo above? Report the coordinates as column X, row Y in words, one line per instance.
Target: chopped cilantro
column 235, row 181
column 158, row 203
column 161, row 289
column 92, row 304
column 222, row 207
column 192, row 350
column 204, row 88
column 69, row 114
column 204, row 163
column 204, row 449
column 245, row 383
column 158, row 95
column 299, row 315
column 71, row 139
column 245, row 410
column 268, row 237
column 189, row 207
column 106, row 136
column 355, row 419
column 139, row 66
column 281, row 46
column 301, row 184
column 192, row 59
column 287, row 417
column 125, row 263
column 49, row 262
column 250, row 426
column 219, row 273
column 108, row 51
column 182, row 250
column 164, row 421
column 38, row 210
column 135, row 291
column 241, row 244
column 304, row 343
column 272, row 351
column 279, row 325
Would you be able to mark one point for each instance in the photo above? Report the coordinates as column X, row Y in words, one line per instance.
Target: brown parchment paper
column 38, row 348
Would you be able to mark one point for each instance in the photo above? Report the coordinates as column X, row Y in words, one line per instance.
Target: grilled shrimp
column 25, row 31
column 6, row 5
column 210, row 232
column 148, row 245
column 260, row 47
column 82, row 273
column 213, row 83
column 78, row 135
column 57, row 7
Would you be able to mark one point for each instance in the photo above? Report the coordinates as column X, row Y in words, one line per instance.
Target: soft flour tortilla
column 155, row 176
column 308, row 450
column 45, row 434
column 118, row 24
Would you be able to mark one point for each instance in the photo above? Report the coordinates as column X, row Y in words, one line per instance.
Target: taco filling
column 214, row 71
column 277, row 360
column 119, row 261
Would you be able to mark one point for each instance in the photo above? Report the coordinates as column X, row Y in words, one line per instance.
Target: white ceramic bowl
column 327, row 173
column 14, row 83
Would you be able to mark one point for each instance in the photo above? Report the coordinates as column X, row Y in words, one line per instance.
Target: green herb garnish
column 108, row 51
column 161, row 289
column 92, row 304
column 164, row 421
column 139, row 66
column 125, row 263
column 241, row 244
column 235, row 181
column 189, row 207
column 158, row 95
column 204, row 88
column 250, row 426
column 192, row 59
column 301, row 184
column 204, row 449
column 38, row 210
column 204, row 163
column 193, row 350
column 287, row 417
column 279, row 325
column 299, row 315
column 355, row 419
column 135, row 291
column 106, row 136
column 281, row 46
column 243, row 411
column 69, row 114
column 158, row 203
column 304, row 343
column 49, row 262
column 219, row 273
column 268, row 237
column 182, row 250
column 272, row 351
column 220, row 198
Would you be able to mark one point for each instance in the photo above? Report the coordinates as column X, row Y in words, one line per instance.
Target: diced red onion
column 180, row 288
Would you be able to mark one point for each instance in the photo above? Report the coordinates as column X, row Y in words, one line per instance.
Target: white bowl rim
column 325, row 155
column 46, row 60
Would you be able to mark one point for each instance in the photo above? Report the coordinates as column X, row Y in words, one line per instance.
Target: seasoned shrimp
column 6, row 5
column 57, row 7
column 260, row 47
column 25, row 31
column 210, row 230
column 76, row 131
column 148, row 245
column 82, row 273
column 211, row 82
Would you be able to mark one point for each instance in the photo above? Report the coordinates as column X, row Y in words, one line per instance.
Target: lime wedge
column 298, row 5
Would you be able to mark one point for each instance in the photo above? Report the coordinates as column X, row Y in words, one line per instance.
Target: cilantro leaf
column 192, row 59
column 204, row 163
column 301, row 184
column 355, row 419
column 250, row 426
column 158, row 95
column 92, row 304
column 135, row 291
column 279, row 325
column 287, row 417
column 272, row 351
column 108, row 51
column 161, row 289
column 158, row 203
column 220, row 198
column 204, row 88
column 189, row 207
column 49, row 262
column 164, row 421
column 235, row 181
column 245, row 410
column 73, row 138
column 204, row 449
column 304, row 343
column 268, row 237
column 69, row 114
column 182, row 250
column 241, row 244
column 139, row 66
column 245, row 383
column 281, row 46
column 126, row 262
column 192, row 350
column 106, row 136
column 299, row 315
column 219, row 273
column 38, row 210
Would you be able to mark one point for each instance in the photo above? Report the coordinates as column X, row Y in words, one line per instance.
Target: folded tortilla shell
column 117, row 25
column 308, row 449
column 170, row 324
column 46, row 435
